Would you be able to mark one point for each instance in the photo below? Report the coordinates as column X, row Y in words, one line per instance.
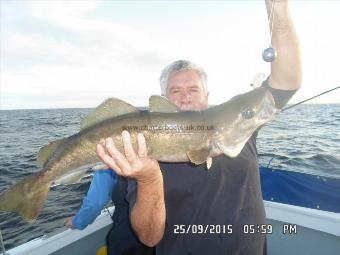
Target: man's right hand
column 139, row 166
column 148, row 213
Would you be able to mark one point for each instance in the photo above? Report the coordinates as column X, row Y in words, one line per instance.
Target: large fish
column 171, row 136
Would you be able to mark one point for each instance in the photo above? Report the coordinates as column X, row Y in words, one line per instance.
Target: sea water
column 304, row 139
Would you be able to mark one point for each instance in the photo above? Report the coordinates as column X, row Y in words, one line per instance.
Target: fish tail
column 25, row 198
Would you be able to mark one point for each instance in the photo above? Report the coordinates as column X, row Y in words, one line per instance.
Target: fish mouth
column 268, row 109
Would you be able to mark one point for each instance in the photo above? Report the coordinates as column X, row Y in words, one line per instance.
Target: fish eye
column 248, row 113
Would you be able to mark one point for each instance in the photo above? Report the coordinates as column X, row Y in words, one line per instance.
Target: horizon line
column 139, row 107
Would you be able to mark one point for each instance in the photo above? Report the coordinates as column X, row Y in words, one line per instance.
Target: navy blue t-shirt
column 220, row 202
column 214, row 211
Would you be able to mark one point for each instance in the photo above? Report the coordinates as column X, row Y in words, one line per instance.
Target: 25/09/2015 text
column 203, row 229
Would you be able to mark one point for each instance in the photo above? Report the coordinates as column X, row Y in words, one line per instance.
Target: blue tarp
column 300, row 189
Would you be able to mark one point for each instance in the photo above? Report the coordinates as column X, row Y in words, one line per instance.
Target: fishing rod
column 284, row 109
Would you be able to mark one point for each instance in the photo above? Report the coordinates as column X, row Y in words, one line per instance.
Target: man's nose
column 185, row 97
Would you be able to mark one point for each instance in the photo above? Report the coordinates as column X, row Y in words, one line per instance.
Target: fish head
column 255, row 108
column 241, row 117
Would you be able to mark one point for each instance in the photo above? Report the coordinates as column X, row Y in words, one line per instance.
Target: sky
column 70, row 54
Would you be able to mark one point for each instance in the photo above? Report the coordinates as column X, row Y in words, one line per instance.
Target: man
column 166, row 199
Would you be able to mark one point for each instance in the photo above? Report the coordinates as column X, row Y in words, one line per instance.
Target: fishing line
column 271, row 20
column 107, row 209
column 269, row 54
column 2, row 244
column 310, row 98
column 297, row 105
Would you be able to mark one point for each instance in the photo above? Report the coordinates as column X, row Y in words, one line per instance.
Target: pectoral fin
column 198, row 156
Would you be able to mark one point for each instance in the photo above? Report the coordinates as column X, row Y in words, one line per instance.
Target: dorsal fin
column 161, row 104
column 46, row 151
column 110, row 108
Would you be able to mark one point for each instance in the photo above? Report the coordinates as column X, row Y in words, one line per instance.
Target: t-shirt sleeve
column 281, row 97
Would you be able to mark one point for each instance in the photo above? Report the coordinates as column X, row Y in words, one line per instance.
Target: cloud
column 56, row 48
column 59, row 11
column 95, row 57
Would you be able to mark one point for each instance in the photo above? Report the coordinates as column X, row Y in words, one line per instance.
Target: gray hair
column 181, row 65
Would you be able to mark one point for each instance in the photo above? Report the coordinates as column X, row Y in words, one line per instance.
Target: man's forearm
column 286, row 70
column 148, row 214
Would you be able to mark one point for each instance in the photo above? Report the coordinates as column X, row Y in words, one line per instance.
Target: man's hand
column 138, row 166
column 286, row 70
column 148, row 213
column 68, row 222
column 269, row 2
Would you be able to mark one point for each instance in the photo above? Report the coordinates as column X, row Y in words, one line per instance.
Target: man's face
column 185, row 89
